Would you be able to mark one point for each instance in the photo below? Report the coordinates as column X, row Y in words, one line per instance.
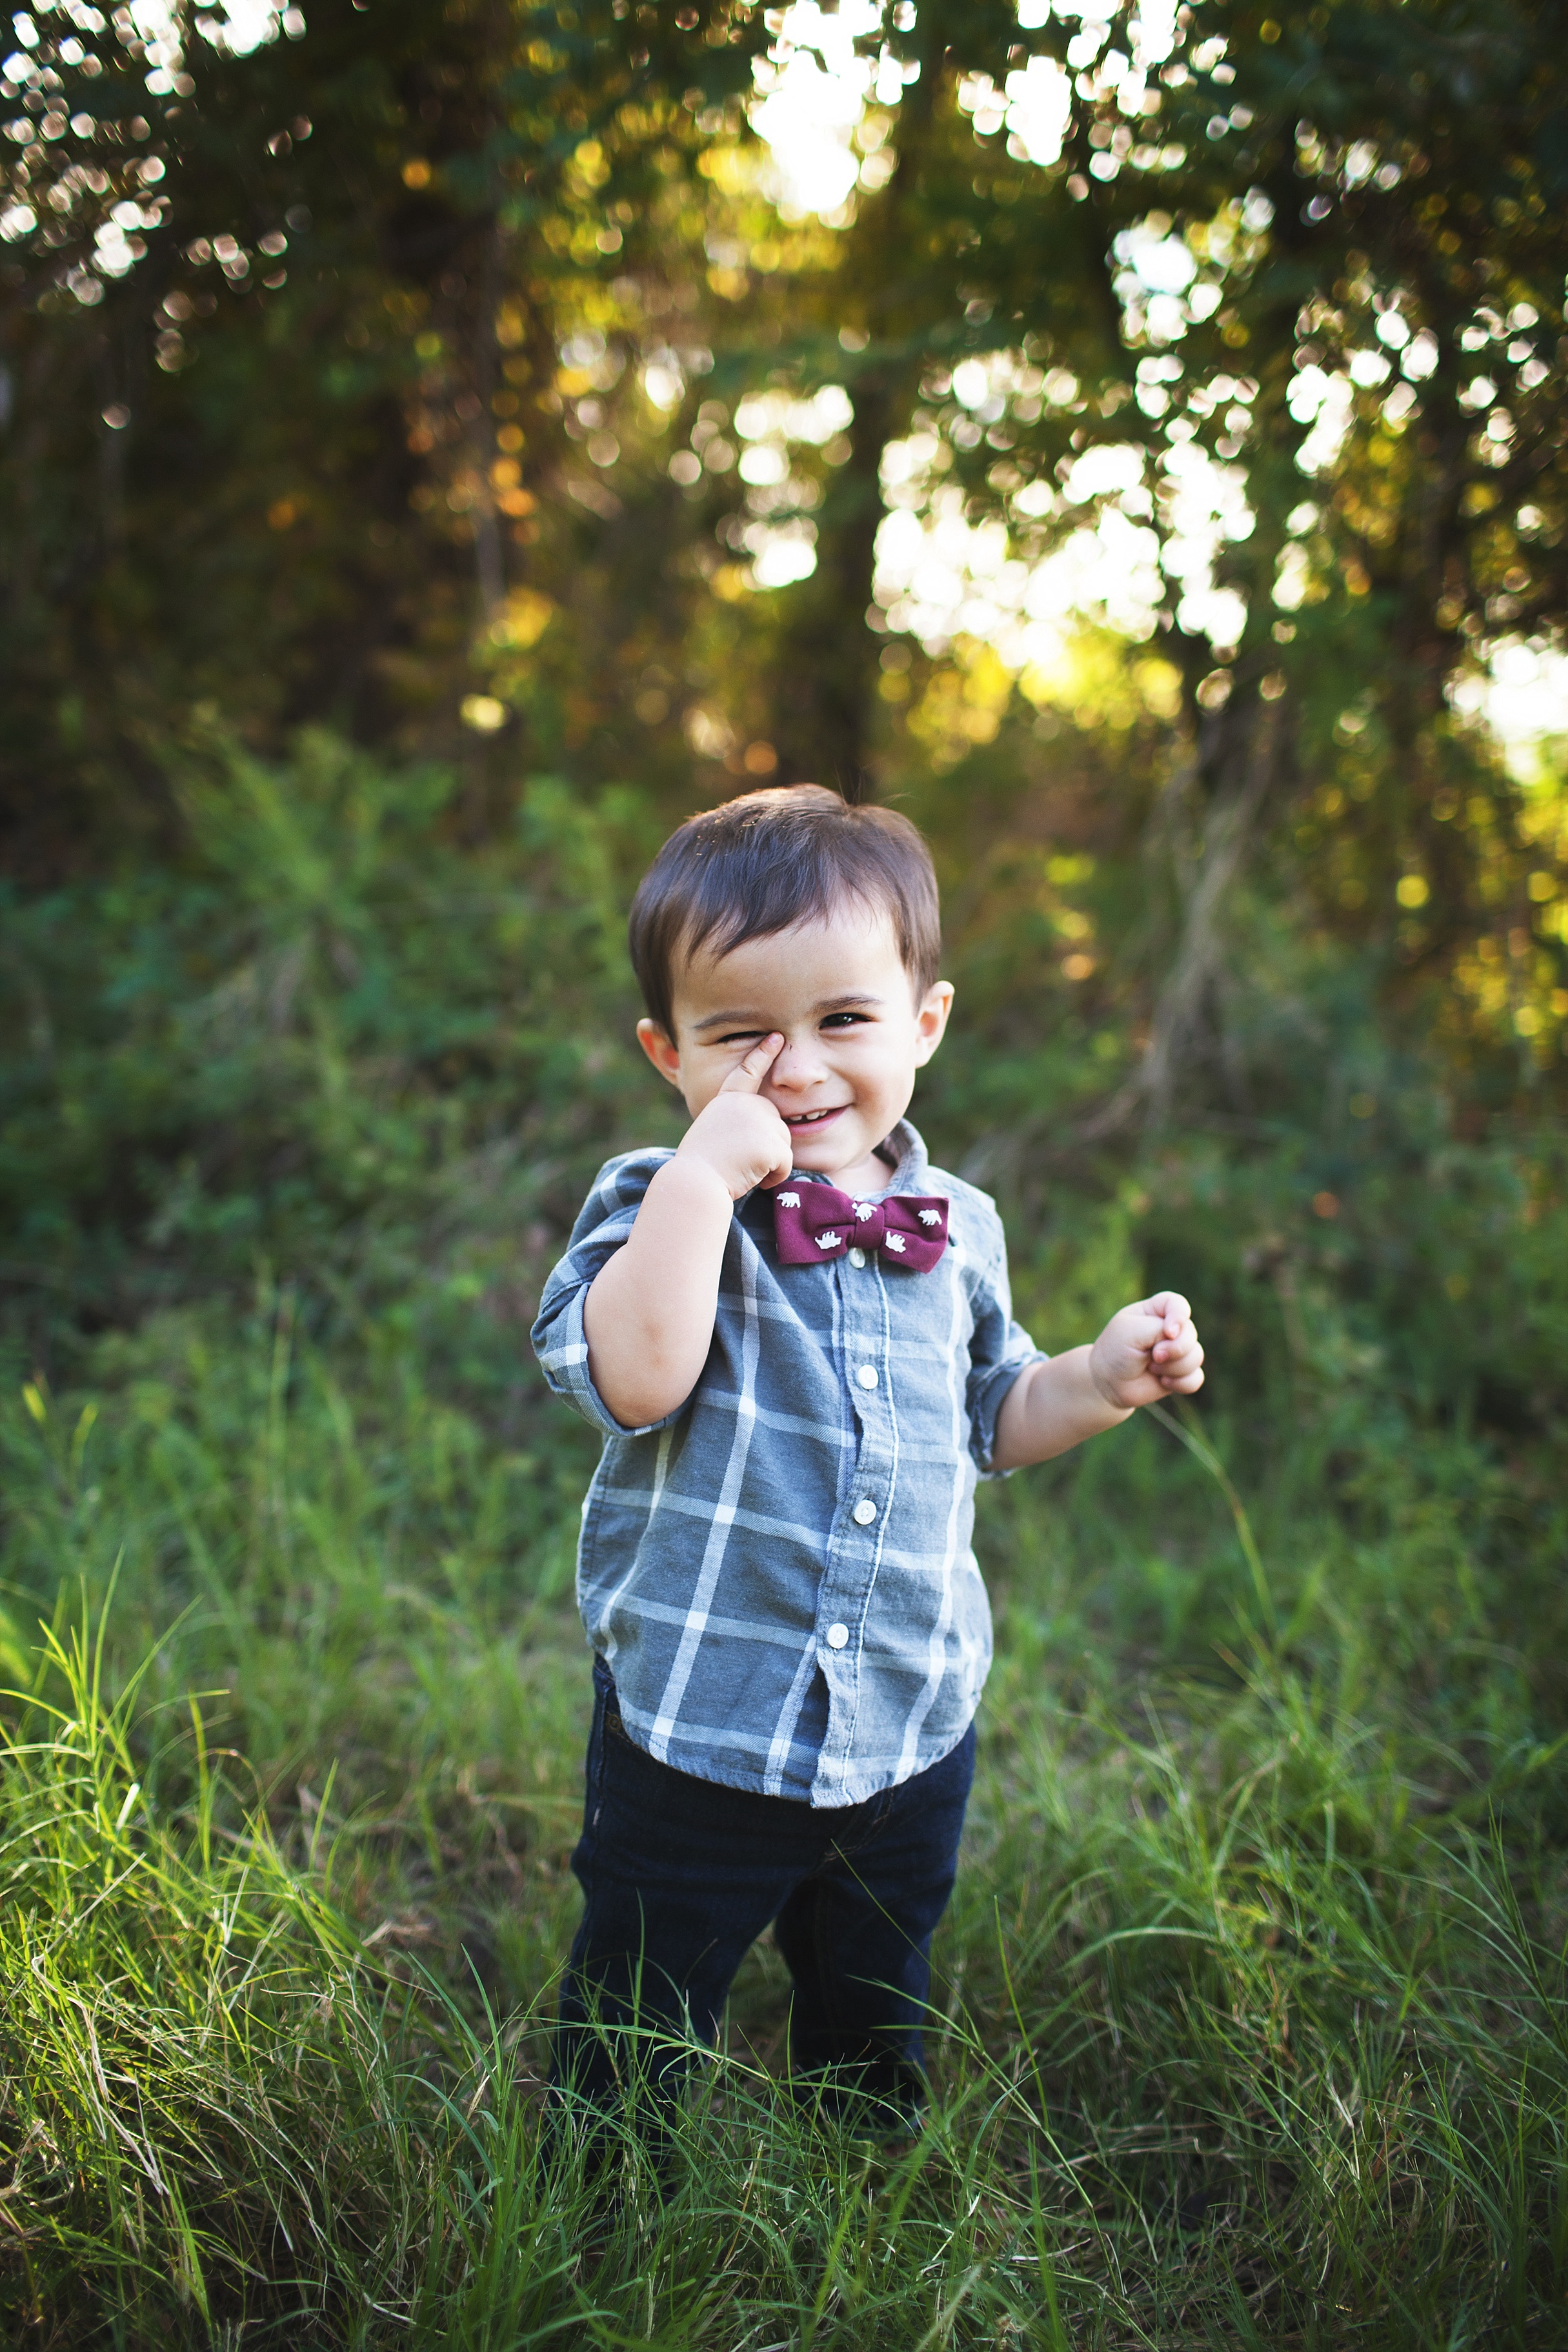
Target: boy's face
column 854, row 1035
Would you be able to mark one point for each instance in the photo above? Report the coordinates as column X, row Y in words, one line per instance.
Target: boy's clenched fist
column 1147, row 1351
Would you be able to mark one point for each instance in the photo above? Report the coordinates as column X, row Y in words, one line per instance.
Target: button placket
column 873, row 1455
column 852, row 1558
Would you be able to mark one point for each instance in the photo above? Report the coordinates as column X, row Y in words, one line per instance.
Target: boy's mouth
column 810, row 1118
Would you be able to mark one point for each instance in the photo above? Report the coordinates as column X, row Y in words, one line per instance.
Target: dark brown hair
column 760, row 864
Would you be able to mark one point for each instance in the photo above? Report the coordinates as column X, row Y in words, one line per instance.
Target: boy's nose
column 798, row 1064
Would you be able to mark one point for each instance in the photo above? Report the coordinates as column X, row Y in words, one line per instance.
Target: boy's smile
column 838, row 994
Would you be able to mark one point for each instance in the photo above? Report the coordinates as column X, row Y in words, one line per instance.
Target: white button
column 865, row 1511
column 837, row 1636
column 867, row 1376
column 857, row 1257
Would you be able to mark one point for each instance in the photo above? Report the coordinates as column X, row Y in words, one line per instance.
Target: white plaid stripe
column 936, row 1653
column 719, row 1534
column 717, row 1639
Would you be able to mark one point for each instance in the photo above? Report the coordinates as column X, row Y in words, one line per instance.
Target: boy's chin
column 822, row 1161
column 836, row 1139
column 835, row 1156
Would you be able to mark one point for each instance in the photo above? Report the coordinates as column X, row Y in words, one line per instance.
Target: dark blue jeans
column 679, row 1877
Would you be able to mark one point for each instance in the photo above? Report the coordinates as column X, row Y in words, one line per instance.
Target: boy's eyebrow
column 746, row 1018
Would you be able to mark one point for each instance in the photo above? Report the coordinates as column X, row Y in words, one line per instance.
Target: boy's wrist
column 1105, row 1389
column 1054, row 1404
column 694, row 1177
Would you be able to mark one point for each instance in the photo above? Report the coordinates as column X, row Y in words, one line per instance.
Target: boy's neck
column 867, row 1175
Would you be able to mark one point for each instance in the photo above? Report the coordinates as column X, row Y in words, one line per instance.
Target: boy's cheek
column 704, row 1087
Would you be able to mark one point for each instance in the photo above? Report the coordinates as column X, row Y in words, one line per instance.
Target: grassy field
column 1250, row 2017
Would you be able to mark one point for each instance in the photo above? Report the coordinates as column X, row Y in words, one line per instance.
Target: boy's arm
column 648, row 1314
column 1146, row 1352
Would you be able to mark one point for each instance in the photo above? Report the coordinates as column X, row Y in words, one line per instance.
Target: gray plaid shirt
column 779, row 1574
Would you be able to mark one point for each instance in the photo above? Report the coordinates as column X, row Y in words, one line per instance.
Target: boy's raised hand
column 1148, row 1351
column 737, row 1134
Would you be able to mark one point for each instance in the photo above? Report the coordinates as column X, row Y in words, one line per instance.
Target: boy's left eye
column 844, row 1020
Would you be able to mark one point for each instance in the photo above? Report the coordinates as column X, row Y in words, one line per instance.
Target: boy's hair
column 792, row 854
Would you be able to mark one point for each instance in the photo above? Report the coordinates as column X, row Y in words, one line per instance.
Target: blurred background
column 439, row 449
column 440, row 452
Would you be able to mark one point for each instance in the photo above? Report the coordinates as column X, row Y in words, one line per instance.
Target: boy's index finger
column 748, row 1072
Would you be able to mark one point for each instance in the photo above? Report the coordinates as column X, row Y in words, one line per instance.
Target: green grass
column 1248, row 2012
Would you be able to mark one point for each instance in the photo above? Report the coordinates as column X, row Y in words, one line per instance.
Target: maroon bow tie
column 813, row 1221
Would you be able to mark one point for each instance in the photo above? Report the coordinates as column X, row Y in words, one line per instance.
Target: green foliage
column 194, row 2092
column 1248, row 2003
column 336, row 1044
column 325, row 1037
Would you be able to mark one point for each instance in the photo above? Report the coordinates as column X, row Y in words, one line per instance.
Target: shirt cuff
column 987, row 1395
column 563, row 1359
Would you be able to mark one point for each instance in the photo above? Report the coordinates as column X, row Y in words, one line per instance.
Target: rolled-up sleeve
column 560, row 1336
column 999, row 1350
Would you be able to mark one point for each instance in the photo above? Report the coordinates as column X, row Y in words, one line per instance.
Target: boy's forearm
column 1050, row 1408
column 649, row 1313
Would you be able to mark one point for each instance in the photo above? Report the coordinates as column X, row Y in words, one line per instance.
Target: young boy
column 796, row 1337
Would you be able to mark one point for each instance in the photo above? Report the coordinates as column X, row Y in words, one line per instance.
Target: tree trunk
column 1242, row 753
column 828, row 658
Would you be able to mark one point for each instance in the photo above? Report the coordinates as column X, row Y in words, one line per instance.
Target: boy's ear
column 664, row 1056
column 930, row 1020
